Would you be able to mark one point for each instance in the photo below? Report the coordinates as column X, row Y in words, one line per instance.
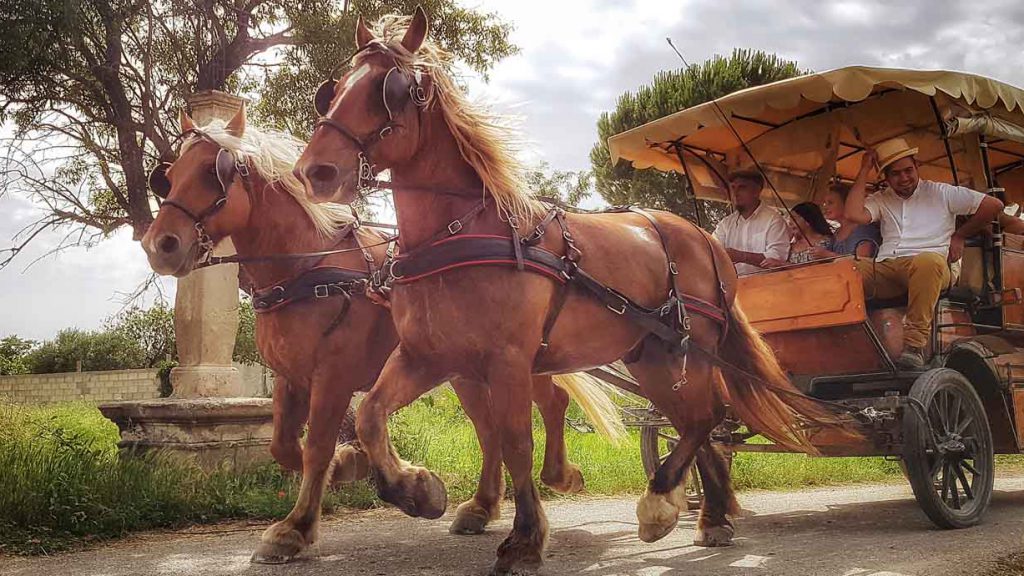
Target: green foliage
column 105, row 79
column 246, row 350
column 65, row 483
column 670, row 92
column 568, row 186
column 12, row 355
column 101, row 350
column 152, row 328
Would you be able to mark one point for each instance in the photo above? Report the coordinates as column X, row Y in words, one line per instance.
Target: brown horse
column 322, row 349
column 456, row 184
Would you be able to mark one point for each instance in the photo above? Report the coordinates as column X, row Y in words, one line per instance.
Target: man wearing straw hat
column 919, row 236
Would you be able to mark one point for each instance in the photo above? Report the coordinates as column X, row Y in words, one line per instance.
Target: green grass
column 63, row 482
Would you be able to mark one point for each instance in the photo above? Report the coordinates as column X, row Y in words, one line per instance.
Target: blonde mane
column 273, row 155
column 485, row 140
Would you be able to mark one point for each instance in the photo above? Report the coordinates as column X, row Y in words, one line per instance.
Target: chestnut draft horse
column 493, row 286
column 235, row 181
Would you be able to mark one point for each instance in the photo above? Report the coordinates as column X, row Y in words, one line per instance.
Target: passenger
column 809, row 232
column 849, row 239
column 919, row 236
column 754, row 232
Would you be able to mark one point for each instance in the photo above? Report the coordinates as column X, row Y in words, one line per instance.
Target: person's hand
column 956, row 248
column 771, row 263
column 734, row 255
column 868, row 160
column 819, row 253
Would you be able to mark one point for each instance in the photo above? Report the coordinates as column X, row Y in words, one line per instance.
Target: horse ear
column 363, row 34
column 187, row 125
column 236, row 127
column 417, row 31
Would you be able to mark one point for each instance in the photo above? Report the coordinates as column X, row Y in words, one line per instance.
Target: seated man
column 919, row 236
column 753, row 233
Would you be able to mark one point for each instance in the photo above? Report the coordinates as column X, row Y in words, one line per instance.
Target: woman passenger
column 811, row 236
column 849, row 238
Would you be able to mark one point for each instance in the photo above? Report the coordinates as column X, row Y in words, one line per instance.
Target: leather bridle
column 398, row 84
column 227, row 167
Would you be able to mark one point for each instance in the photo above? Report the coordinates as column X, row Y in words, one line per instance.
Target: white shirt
column 764, row 232
column 922, row 223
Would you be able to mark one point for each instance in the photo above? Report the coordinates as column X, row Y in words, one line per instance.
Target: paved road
column 861, row 531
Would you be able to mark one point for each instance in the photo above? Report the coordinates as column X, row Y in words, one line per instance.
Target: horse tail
column 594, row 398
column 762, row 395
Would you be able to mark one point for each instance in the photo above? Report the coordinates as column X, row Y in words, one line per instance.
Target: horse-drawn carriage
column 837, row 345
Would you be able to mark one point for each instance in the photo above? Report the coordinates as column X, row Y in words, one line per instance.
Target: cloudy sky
column 576, row 58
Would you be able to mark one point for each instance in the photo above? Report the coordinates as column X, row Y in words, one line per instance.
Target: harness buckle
column 276, row 290
column 242, row 168
column 622, row 305
column 454, row 228
column 321, row 291
column 673, row 269
column 385, row 132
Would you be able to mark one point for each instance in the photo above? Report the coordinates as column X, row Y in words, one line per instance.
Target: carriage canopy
column 807, row 131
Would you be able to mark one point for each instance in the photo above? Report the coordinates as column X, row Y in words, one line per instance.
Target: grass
column 63, row 482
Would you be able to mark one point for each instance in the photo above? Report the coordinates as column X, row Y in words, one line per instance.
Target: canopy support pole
column 945, row 141
column 678, row 147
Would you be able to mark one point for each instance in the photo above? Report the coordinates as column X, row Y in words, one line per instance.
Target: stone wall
column 103, row 386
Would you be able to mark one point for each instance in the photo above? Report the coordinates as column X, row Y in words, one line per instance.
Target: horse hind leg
column 714, row 527
column 558, row 473
column 694, row 410
column 473, row 515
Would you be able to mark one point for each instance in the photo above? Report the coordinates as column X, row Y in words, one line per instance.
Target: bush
column 64, row 481
column 95, row 350
column 12, row 355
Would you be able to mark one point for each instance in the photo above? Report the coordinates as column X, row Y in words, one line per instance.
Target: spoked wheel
column 947, row 449
column 655, row 445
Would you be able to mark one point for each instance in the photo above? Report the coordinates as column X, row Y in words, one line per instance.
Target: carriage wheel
column 655, row 445
column 949, row 458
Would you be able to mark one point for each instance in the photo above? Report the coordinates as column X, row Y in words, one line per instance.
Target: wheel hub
column 952, row 446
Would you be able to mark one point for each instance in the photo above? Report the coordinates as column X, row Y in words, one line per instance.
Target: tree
column 12, row 355
column 669, row 92
column 103, row 350
column 246, row 351
column 568, row 186
column 93, row 87
column 152, row 329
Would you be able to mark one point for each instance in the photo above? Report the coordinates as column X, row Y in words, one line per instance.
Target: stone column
column 205, row 419
column 206, row 304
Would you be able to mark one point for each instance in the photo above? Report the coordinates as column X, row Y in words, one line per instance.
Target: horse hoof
column 350, row 465
column 714, row 536
column 470, row 518
column 272, row 553
column 431, row 496
column 518, row 556
column 522, row 569
column 572, row 483
column 658, row 514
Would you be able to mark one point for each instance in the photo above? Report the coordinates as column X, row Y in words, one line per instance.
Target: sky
column 576, row 58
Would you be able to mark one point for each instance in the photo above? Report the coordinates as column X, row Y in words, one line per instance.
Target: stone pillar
column 206, row 304
column 204, row 419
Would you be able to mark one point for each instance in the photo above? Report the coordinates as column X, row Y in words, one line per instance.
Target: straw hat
column 893, row 150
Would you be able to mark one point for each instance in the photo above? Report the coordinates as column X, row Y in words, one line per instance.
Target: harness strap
column 453, row 228
column 319, row 282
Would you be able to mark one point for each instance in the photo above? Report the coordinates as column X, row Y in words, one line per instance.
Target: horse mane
column 486, row 141
column 273, row 155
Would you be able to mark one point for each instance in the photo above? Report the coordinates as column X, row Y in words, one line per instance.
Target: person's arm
column 741, row 257
column 776, row 242
column 987, row 211
column 855, row 210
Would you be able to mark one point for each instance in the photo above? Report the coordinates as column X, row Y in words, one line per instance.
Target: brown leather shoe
column 911, row 359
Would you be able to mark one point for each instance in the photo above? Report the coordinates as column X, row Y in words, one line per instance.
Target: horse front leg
column 511, row 388
column 285, row 539
column 413, row 489
column 714, row 527
column 557, row 473
column 473, row 515
column 291, row 410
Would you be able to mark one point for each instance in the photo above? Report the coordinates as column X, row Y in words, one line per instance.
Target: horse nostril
column 168, row 244
column 322, row 173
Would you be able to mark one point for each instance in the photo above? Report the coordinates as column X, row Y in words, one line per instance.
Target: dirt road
column 859, row 531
